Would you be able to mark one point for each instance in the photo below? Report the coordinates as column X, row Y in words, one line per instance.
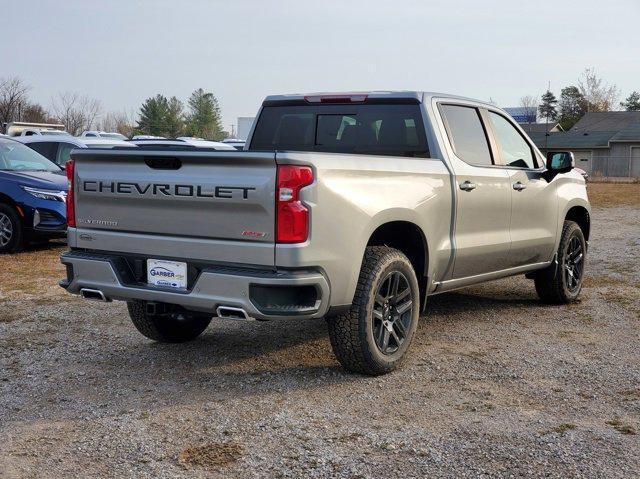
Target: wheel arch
column 580, row 215
column 409, row 238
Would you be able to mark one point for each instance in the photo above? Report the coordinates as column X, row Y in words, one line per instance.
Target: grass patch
column 614, row 194
column 622, row 428
column 31, row 273
column 210, row 456
column 561, row 429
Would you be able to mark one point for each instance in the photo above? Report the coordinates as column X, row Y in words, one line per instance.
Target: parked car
column 103, row 134
column 148, row 137
column 25, row 128
column 42, row 132
column 59, row 149
column 33, row 191
column 355, row 207
column 184, row 141
column 237, row 144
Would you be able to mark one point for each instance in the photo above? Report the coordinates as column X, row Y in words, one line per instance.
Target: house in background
column 603, row 143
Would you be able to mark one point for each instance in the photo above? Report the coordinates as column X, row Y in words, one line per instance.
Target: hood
column 38, row 179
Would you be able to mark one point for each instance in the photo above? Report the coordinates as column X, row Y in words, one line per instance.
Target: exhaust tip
column 230, row 312
column 94, row 295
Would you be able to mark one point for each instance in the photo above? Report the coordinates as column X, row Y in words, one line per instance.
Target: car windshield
column 15, row 156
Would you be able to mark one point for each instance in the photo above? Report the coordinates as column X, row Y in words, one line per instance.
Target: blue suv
column 33, row 193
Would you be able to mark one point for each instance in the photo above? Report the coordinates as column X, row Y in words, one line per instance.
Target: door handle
column 467, row 186
column 519, row 186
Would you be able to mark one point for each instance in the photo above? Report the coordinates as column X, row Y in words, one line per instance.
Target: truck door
column 483, row 210
column 534, row 200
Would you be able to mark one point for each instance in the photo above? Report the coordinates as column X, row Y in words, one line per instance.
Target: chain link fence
column 614, row 167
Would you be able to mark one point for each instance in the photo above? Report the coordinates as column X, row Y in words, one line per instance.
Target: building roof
column 594, row 130
column 607, row 121
column 572, row 140
column 540, row 127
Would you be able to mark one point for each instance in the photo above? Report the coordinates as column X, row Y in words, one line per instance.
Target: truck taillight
column 71, row 207
column 292, row 217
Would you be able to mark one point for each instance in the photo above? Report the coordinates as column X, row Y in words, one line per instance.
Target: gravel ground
column 497, row 385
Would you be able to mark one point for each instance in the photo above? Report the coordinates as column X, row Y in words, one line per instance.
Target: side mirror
column 560, row 162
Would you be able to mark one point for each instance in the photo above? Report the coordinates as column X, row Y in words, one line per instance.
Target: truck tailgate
column 179, row 198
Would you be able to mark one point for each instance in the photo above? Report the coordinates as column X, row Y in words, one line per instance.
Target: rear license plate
column 170, row 274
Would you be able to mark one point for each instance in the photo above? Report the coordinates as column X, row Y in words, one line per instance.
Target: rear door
column 483, row 195
column 179, row 201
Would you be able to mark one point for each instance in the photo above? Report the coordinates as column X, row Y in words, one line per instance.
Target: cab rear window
column 372, row 129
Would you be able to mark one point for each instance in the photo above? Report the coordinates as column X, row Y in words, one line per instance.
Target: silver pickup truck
column 353, row 207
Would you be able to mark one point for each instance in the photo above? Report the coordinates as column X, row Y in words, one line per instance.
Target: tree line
column 158, row 115
column 590, row 93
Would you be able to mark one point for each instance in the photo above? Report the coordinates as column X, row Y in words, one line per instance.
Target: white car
column 183, row 141
column 235, row 142
column 58, row 148
column 43, row 132
column 148, row 137
column 103, row 134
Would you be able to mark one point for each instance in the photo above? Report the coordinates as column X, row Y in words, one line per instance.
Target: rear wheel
column 373, row 338
column 10, row 230
column 177, row 327
column 561, row 283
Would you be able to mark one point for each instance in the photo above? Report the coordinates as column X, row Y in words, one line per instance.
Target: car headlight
column 55, row 195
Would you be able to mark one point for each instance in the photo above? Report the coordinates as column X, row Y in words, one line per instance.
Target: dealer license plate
column 169, row 274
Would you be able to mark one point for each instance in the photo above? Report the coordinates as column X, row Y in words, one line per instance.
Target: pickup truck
column 352, row 207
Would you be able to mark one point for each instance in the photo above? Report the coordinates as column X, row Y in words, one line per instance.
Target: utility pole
column 546, row 126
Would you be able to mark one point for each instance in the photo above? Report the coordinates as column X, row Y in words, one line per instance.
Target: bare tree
column 13, row 97
column 35, row 113
column 121, row 122
column 529, row 104
column 77, row 113
column 599, row 95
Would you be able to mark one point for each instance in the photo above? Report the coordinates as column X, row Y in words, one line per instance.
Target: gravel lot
column 497, row 385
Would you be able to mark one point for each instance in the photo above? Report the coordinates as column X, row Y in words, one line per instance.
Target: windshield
column 116, row 136
column 15, row 156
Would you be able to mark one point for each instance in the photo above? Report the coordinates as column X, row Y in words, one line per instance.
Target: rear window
column 373, row 129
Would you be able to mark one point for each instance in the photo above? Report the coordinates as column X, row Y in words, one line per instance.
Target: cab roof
column 364, row 97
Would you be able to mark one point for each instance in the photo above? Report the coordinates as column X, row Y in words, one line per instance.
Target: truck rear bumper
column 261, row 294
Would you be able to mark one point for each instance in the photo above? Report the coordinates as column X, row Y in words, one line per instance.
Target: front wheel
column 374, row 336
column 167, row 328
column 10, row 230
column 561, row 283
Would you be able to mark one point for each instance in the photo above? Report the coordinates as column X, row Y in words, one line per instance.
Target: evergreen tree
column 203, row 118
column 153, row 116
column 175, row 118
column 548, row 107
column 572, row 106
column 632, row 102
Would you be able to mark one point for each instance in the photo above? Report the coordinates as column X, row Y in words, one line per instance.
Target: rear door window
column 466, row 134
column 64, row 153
column 374, row 129
column 45, row 148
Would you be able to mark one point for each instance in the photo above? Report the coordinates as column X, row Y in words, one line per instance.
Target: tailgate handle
column 163, row 163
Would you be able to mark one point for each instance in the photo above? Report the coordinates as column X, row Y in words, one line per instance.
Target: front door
column 534, row 200
column 483, row 193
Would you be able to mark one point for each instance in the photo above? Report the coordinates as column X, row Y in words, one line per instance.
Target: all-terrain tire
column 552, row 282
column 10, row 221
column 352, row 334
column 165, row 329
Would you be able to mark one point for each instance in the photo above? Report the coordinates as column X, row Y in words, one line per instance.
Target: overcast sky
column 123, row 51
